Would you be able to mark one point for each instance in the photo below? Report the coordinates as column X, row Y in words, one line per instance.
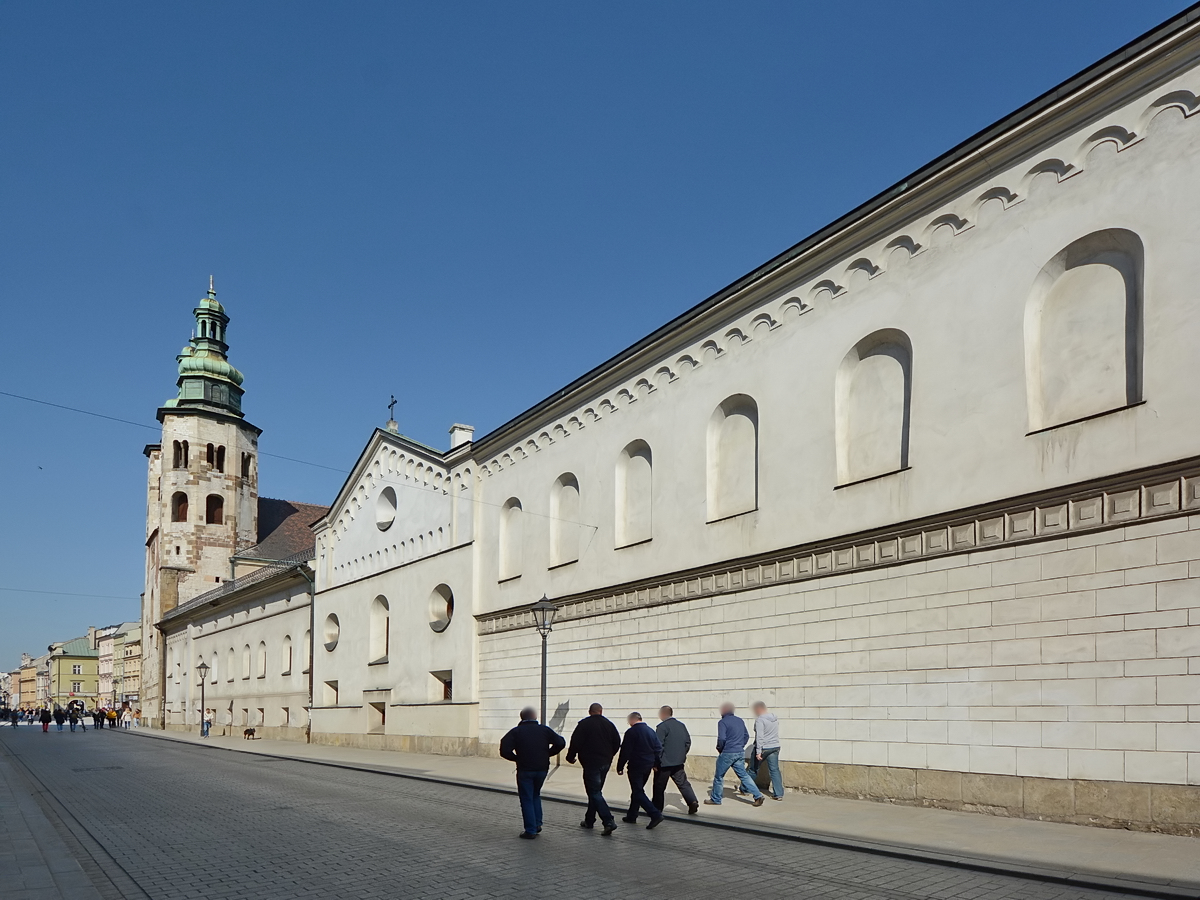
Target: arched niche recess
column 1083, row 330
column 873, row 400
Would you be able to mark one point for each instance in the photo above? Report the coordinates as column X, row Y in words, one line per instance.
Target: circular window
column 333, row 630
column 441, row 608
column 385, row 509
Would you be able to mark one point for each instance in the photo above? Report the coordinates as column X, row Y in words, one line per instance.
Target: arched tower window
column 177, row 455
column 179, row 507
column 186, row 455
column 214, row 667
column 229, row 664
column 246, row 662
column 211, row 455
column 733, row 458
column 214, row 510
column 1083, row 330
column 565, row 529
column 262, row 659
column 635, row 493
column 511, row 538
column 873, row 398
column 220, row 459
column 247, row 458
column 287, row 654
column 380, row 629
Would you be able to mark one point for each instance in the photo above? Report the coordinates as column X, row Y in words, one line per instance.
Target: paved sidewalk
column 1096, row 856
column 35, row 864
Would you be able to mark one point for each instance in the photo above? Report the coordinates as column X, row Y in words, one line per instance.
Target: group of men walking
column 643, row 752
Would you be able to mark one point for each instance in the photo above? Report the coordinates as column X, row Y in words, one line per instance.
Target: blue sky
column 463, row 204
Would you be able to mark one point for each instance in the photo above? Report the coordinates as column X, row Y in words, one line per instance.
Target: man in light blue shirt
column 732, row 737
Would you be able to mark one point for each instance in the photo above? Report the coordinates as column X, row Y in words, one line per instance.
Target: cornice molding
column 1162, row 491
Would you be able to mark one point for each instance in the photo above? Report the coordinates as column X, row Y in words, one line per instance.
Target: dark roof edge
column 1065, row 88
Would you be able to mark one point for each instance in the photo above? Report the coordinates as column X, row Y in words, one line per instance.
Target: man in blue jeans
column 766, row 748
column 530, row 745
column 732, row 737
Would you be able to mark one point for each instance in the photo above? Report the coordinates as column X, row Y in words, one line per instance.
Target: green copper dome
column 207, row 380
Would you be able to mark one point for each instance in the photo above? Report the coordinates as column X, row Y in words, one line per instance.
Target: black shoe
column 609, row 829
column 539, row 831
column 630, row 820
column 693, row 808
column 527, row 836
column 586, row 825
column 654, row 822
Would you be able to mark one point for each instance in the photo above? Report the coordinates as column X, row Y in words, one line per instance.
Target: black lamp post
column 543, row 617
column 203, row 670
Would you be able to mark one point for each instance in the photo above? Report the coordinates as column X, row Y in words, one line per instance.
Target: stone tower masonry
column 202, row 488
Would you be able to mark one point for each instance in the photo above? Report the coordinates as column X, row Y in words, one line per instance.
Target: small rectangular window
column 77, row 670
column 443, row 685
column 76, row 687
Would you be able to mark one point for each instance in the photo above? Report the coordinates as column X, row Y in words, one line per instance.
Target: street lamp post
column 203, row 670
column 543, row 616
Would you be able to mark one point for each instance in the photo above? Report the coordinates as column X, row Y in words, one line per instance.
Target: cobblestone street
column 166, row 820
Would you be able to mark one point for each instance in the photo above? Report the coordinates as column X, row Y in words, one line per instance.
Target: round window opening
column 441, row 608
column 333, row 630
column 385, row 509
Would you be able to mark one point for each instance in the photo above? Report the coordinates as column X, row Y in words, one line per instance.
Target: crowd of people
column 75, row 715
column 642, row 752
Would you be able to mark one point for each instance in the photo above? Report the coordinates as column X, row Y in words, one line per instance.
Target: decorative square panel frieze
column 787, row 568
column 1160, row 498
column 1052, row 518
column 1087, row 513
column 804, row 566
column 962, row 536
column 887, row 551
column 823, row 563
column 937, row 540
column 1020, row 525
column 1191, row 493
column 910, row 546
column 864, row 555
column 843, row 559
column 1122, row 505
column 767, row 572
column 751, row 575
column 991, row 531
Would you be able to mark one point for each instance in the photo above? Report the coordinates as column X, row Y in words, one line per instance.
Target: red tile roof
column 283, row 528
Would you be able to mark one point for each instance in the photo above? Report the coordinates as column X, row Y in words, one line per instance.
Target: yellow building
column 74, row 672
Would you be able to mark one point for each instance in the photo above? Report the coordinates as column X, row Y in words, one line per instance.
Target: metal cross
column 392, row 408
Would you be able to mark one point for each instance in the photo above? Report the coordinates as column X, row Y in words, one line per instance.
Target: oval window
column 441, row 608
column 385, row 509
column 333, row 630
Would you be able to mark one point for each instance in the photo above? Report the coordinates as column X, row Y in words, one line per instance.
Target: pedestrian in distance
column 594, row 742
column 641, row 753
column 530, row 745
column 732, row 738
column 73, row 718
column 45, row 719
column 206, row 727
column 766, row 748
column 59, row 717
column 15, row 716
column 676, row 742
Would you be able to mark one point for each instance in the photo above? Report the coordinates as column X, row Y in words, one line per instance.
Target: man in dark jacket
column 641, row 752
column 594, row 743
column 676, row 742
column 530, row 745
column 732, row 738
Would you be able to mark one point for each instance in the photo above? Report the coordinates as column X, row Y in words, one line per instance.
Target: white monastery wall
column 928, row 487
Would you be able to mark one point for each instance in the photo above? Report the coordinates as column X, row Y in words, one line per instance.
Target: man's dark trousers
column 637, row 794
column 529, row 790
column 679, row 776
column 593, row 785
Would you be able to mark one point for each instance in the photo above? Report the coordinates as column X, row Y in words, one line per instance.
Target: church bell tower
column 202, row 488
